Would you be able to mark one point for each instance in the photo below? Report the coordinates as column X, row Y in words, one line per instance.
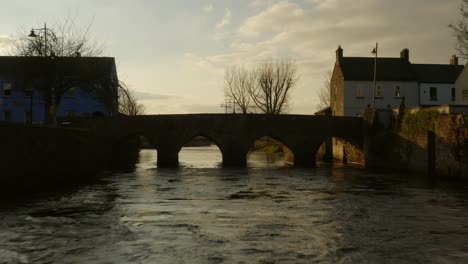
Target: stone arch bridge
column 234, row 134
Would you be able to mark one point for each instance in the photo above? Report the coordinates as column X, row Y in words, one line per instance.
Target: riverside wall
column 34, row 157
column 435, row 144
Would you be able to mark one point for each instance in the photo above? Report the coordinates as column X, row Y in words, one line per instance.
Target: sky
column 173, row 53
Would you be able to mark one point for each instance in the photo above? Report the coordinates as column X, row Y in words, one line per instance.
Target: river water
column 202, row 213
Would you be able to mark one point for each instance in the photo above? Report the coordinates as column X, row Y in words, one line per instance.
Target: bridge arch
column 269, row 151
column 340, row 149
column 190, row 149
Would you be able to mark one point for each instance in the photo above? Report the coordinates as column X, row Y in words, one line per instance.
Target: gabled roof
column 397, row 69
column 388, row 69
column 437, row 73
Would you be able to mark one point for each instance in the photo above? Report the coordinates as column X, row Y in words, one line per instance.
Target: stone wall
column 451, row 146
column 35, row 158
column 411, row 148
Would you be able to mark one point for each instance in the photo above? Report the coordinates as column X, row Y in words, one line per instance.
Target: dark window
column 71, row 93
column 7, row 89
column 28, row 117
column 7, row 116
column 28, row 91
column 453, row 95
column 359, row 92
column 465, row 95
column 379, row 91
column 70, row 113
column 433, row 94
column 397, row 91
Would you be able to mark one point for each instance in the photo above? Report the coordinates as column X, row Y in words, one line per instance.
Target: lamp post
column 375, row 52
column 46, row 31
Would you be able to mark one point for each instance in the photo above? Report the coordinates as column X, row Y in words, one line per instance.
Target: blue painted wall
column 18, row 103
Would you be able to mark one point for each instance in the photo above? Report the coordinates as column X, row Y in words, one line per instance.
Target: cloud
column 6, row 43
column 274, row 19
column 262, row 3
column 208, row 8
column 151, row 96
column 226, row 20
column 309, row 31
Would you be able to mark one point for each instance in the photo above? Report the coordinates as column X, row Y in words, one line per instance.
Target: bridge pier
column 168, row 158
column 305, row 158
column 234, row 158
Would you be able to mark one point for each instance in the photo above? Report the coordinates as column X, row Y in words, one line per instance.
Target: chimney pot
column 339, row 53
column 404, row 54
column 454, row 60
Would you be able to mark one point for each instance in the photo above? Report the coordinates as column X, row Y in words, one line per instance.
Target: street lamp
column 375, row 52
column 46, row 32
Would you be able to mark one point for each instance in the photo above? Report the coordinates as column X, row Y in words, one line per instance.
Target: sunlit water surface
column 202, row 213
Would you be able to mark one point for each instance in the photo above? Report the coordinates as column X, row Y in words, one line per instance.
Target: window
column 70, row 113
column 7, row 116
column 28, row 90
column 465, row 95
column 359, row 92
column 71, row 93
column 453, row 95
column 28, row 117
column 7, row 89
column 397, row 91
column 433, row 94
column 378, row 91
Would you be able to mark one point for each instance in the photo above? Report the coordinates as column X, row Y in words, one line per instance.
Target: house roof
column 388, row 69
column 37, row 67
column 437, row 73
column 397, row 69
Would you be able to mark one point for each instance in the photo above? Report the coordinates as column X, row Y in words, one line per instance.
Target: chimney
column 404, row 54
column 339, row 53
column 454, row 60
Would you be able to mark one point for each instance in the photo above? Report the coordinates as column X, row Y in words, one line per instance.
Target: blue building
column 78, row 86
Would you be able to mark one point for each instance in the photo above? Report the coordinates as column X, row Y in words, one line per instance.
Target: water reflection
column 210, row 214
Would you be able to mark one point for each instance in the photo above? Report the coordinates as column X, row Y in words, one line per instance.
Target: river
column 266, row 213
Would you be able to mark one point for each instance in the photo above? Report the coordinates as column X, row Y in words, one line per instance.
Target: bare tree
column 460, row 30
column 128, row 105
column 275, row 82
column 64, row 39
column 324, row 93
column 238, row 82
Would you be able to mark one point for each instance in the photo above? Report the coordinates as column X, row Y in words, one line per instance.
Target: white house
column 461, row 88
column 352, row 83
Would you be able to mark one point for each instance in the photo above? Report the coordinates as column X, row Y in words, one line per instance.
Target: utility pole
column 375, row 52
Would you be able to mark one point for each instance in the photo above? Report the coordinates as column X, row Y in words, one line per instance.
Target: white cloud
column 208, row 8
column 6, row 44
column 226, row 20
column 311, row 33
column 274, row 19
